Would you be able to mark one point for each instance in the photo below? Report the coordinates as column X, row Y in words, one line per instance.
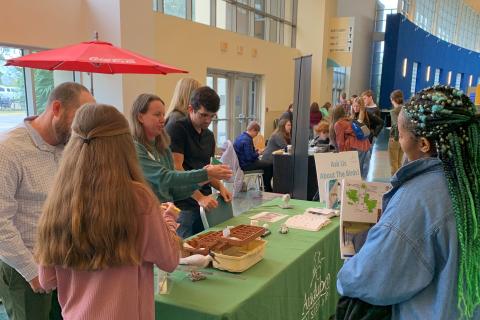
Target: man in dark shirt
column 193, row 144
column 248, row 156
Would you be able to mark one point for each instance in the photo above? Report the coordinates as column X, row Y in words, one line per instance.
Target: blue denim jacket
column 410, row 257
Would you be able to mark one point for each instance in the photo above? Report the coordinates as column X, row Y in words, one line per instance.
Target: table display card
column 335, row 166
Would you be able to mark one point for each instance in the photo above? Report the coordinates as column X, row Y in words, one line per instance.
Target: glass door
column 221, row 123
column 238, row 103
column 245, row 103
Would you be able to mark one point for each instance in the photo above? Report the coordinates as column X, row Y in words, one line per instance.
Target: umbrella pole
column 91, row 83
column 95, row 38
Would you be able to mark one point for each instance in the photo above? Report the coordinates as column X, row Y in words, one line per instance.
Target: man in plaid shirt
column 29, row 158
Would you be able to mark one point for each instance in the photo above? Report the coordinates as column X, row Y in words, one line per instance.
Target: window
column 225, row 13
column 414, row 78
column 201, row 11
column 13, row 106
column 177, row 8
column 381, row 15
column 376, row 71
column 260, row 5
column 424, row 14
column 44, row 84
column 451, row 20
column 405, row 6
column 270, row 20
column 338, row 85
column 288, row 13
column 436, row 79
column 24, row 92
column 458, row 81
column 273, row 31
column 242, row 21
column 259, row 26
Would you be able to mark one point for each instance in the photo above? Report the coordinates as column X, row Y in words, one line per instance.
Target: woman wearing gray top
column 279, row 140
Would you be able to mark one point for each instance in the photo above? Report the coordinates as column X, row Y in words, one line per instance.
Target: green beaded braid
column 447, row 118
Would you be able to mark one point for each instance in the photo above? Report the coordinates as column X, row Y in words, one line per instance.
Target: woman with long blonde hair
column 359, row 111
column 102, row 229
column 181, row 99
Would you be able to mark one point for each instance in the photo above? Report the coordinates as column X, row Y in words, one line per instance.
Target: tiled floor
column 379, row 171
column 380, row 162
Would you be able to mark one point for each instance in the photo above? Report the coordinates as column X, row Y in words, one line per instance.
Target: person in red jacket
column 341, row 133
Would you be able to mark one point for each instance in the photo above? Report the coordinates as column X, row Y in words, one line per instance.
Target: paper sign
column 335, row 166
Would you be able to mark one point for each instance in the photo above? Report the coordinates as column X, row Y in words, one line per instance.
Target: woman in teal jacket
column 147, row 120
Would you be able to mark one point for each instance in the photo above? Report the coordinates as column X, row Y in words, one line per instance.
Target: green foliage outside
column 13, row 77
column 43, row 80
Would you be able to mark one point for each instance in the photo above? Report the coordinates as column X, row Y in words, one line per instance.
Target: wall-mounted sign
column 340, row 40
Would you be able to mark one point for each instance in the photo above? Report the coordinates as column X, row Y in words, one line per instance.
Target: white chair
column 213, row 217
column 255, row 178
column 240, row 178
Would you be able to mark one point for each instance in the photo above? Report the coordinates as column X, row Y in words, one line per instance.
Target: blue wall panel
column 403, row 39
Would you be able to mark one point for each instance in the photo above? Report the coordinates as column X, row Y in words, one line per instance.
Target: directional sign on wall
column 340, row 40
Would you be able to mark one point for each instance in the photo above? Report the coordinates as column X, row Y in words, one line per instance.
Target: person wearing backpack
column 345, row 139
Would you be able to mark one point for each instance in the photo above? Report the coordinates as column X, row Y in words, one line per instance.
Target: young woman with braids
column 423, row 256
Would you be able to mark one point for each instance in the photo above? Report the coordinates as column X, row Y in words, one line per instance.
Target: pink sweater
column 119, row 292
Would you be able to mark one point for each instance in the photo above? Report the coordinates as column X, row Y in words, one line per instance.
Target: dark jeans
column 21, row 303
column 189, row 218
column 267, row 167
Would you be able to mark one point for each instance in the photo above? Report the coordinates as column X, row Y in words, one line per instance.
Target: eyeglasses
column 209, row 115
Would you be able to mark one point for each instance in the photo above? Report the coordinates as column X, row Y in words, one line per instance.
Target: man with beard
column 29, row 158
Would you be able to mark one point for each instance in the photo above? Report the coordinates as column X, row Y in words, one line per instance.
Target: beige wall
column 196, row 47
column 42, row 24
column 364, row 14
column 133, row 25
column 313, row 19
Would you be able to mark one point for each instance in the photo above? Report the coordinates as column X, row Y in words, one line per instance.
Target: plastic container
column 239, row 258
column 240, row 235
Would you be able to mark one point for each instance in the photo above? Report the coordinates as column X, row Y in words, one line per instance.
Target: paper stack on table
column 268, row 217
column 307, row 221
column 327, row 213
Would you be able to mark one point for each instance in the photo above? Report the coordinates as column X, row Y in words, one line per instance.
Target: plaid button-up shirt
column 27, row 167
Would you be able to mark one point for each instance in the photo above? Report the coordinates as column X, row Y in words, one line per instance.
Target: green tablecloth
column 295, row 280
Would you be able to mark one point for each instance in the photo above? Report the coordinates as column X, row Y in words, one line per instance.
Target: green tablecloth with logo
column 295, row 280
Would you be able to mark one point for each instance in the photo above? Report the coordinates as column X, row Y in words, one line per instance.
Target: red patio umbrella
column 93, row 56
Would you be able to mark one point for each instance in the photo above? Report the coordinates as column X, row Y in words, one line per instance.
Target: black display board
column 300, row 130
